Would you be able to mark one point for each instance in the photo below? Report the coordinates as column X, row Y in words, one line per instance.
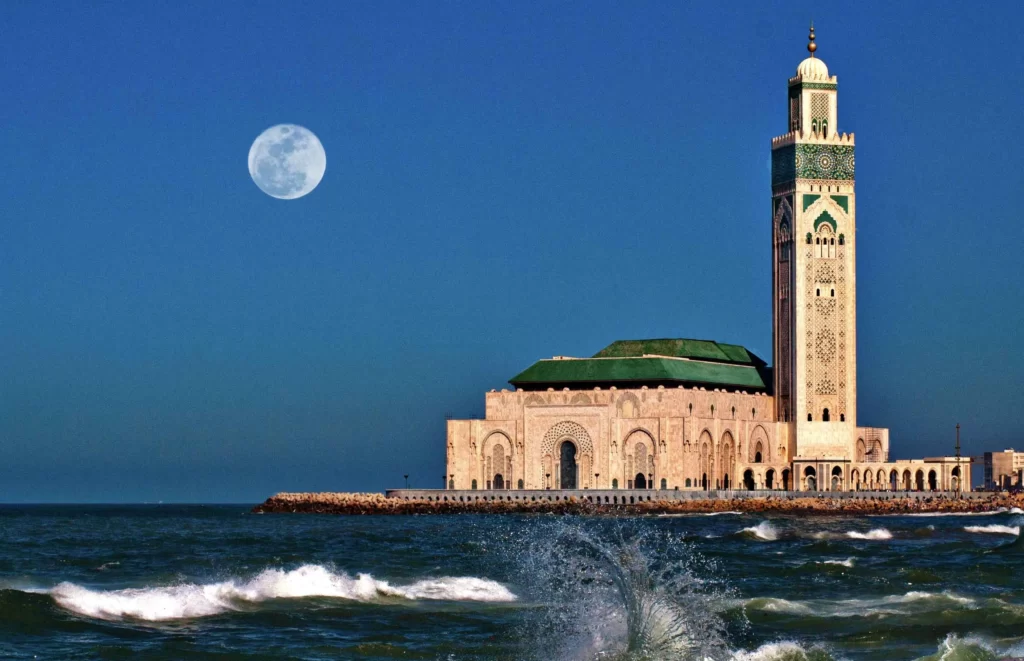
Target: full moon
column 287, row 161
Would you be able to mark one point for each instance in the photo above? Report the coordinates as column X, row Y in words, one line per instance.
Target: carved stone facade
column 689, row 414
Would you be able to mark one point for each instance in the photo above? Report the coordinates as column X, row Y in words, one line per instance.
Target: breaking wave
column 878, row 534
column 904, row 604
column 784, row 651
column 763, row 531
column 192, row 600
column 994, row 529
column 848, row 563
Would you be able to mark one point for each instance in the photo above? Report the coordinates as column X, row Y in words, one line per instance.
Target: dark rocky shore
column 882, row 503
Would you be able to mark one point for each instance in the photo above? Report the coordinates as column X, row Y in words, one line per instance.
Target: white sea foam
column 782, row 651
column 685, row 514
column 994, row 529
column 845, row 563
column 877, row 534
column 763, row 530
column 190, row 600
column 901, row 604
column 1015, row 510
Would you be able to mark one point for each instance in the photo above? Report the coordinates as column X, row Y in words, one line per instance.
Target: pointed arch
column 566, row 430
column 759, row 438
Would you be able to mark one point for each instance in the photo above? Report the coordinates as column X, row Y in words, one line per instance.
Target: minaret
column 814, row 274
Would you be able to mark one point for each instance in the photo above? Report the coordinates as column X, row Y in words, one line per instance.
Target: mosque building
column 685, row 414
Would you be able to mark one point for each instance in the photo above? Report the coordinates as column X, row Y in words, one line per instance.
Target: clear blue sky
column 505, row 181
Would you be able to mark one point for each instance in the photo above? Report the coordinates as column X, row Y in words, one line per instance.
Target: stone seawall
column 401, row 501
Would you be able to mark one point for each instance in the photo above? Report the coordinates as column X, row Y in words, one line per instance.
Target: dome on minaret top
column 812, row 67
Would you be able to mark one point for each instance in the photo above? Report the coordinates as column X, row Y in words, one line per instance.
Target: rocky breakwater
column 882, row 503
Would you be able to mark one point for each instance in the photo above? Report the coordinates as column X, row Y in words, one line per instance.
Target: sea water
column 217, row 582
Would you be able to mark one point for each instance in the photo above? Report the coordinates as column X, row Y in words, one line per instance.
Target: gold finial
column 811, row 46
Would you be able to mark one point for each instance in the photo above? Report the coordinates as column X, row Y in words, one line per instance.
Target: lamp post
column 444, row 482
column 596, row 485
column 960, row 476
column 406, row 480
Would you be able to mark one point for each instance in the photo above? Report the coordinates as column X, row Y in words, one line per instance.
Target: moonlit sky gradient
column 509, row 181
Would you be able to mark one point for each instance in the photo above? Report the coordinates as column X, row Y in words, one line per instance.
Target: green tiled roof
column 653, row 362
column 680, row 348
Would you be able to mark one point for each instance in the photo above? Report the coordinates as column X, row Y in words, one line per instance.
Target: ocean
column 217, row 582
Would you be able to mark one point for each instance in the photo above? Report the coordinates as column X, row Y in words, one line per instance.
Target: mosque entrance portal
column 639, row 482
column 567, row 457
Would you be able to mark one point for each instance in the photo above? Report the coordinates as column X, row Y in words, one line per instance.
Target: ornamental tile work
column 807, row 161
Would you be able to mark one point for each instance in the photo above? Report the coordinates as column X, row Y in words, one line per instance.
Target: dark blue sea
column 217, row 582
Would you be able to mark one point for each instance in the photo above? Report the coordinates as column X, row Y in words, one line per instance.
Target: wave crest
column 994, row 529
column 878, row 534
column 763, row 531
column 190, row 600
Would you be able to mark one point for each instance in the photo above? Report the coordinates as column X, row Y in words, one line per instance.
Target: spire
column 811, row 46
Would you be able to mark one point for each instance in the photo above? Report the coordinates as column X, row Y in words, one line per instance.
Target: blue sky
column 505, row 181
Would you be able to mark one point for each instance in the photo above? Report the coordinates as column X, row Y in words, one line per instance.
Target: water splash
column 624, row 592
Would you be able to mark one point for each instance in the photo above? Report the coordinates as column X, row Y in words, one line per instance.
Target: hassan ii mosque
column 684, row 414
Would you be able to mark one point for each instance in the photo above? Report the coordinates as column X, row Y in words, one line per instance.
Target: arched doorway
column 725, row 481
column 810, row 479
column 567, row 458
column 704, row 482
column 664, row 484
column 785, row 480
column 748, row 480
column 499, row 481
column 639, row 482
column 615, row 483
column 919, row 481
column 837, row 479
column 955, row 482
column 906, row 480
column 932, row 481
column 769, row 479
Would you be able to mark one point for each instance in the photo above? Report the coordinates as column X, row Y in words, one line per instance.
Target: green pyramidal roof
column 680, row 348
column 632, row 363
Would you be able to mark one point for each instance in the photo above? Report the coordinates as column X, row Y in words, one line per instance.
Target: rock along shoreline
column 864, row 504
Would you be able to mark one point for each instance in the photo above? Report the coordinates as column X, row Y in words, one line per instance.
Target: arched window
column 808, row 238
column 832, row 241
column 817, row 241
column 615, row 483
column 810, row 418
column 824, row 126
column 451, row 484
column 833, row 293
column 842, row 239
column 687, row 483
column 520, row 485
column 664, row 483
column 817, row 292
column 473, row 486
column 824, row 415
column 842, row 417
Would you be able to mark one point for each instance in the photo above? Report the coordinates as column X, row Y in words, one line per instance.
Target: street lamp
column 407, row 481
column 596, row 485
column 444, row 481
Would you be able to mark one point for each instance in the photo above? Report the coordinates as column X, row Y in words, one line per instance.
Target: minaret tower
column 814, row 274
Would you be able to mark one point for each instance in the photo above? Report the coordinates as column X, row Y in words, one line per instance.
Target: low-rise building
column 1004, row 469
